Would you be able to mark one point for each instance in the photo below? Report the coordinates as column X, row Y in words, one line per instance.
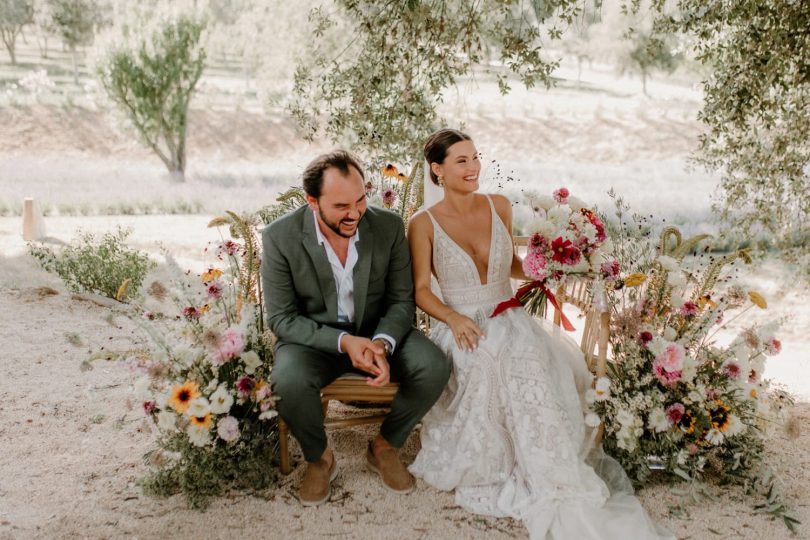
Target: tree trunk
column 75, row 65
column 9, row 40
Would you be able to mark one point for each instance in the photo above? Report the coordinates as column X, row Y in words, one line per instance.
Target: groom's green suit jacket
column 299, row 288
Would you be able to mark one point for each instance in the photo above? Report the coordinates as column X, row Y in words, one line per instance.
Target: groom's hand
column 357, row 348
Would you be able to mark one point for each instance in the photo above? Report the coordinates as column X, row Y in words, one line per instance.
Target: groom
column 339, row 296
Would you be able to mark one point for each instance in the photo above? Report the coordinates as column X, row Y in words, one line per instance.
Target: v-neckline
column 465, row 252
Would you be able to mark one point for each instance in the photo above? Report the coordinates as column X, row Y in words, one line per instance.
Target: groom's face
column 342, row 203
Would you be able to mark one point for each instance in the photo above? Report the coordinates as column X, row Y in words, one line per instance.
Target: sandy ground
column 73, row 445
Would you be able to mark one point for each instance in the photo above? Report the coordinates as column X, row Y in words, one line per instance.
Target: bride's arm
column 420, row 240
column 504, row 208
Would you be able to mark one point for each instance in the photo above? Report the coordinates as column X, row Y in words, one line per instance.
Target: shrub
column 99, row 266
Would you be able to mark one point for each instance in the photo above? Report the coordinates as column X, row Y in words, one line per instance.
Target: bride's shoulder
column 502, row 204
column 420, row 221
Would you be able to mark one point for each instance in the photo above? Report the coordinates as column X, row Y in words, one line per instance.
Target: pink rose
column 672, row 358
column 731, row 369
column 231, row 344
column 667, row 378
column 534, row 266
column 561, row 195
column 773, row 346
column 675, row 412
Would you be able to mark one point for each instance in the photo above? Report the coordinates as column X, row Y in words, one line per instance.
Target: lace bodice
column 458, row 276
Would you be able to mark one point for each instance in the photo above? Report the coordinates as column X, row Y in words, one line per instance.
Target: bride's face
column 461, row 167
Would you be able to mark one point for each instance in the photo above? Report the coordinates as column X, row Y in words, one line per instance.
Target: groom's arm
column 400, row 308
column 280, row 301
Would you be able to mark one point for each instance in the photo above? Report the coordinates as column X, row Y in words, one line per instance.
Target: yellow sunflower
column 401, row 177
column 634, row 280
column 757, row 299
column 211, row 275
column 390, row 170
column 706, row 299
column 720, row 416
column 202, row 421
column 183, row 394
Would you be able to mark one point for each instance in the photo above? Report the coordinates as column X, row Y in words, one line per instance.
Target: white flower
column 602, row 389
column 198, row 407
column 166, row 420
column 590, row 396
column 228, row 429
column 742, row 352
column 658, row 345
column 542, row 227
column 576, row 204
column 546, row 202
column 592, row 419
column 689, row 369
column 669, row 263
column 677, row 301
column 198, row 435
column 625, row 418
column 589, row 232
column 141, row 389
column 676, row 279
column 670, row 333
column 221, row 400
column 161, row 400
column 268, row 414
column 658, row 420
column 559, row 214
column 682, row 455
column 735, row 425
column 252, row 361
column 715, row 436
column 186, row 356
column 212, row 384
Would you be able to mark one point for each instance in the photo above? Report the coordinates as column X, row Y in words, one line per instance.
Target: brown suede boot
column 315, row 487
column 395, row 477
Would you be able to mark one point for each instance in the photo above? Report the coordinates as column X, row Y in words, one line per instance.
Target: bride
column 508, row 433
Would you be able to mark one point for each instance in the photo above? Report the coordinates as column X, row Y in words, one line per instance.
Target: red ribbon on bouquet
column 514, row 302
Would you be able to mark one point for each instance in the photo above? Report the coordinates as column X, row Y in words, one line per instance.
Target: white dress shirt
column 344, row 281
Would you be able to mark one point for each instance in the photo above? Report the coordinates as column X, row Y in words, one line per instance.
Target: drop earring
column 441, row 181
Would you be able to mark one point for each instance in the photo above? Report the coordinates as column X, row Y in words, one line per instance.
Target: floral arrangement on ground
column 204, row 377
column 675, row 399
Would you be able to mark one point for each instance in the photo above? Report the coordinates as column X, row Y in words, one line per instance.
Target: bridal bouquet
column 566, row 239
column 203, row 380
column 675, row 399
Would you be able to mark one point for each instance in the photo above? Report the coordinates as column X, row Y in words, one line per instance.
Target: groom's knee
column 293, row 379
column 425, row 365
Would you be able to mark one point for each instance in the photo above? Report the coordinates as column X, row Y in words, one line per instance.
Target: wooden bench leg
column 283, row 447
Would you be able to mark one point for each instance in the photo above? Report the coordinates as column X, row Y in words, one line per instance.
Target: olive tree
column 379, row 87
column 74, row 21
column 756, row 109
column 14, row 14
column 152, row 81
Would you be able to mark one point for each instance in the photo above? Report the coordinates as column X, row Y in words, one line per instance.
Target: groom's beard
column 335, row 225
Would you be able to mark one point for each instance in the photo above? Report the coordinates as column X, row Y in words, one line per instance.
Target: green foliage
column 152, row 82
column 285, row 203
column 378, row 90
column 756, row 110
column 647, row 54
column 14, row 14
column 75, row 21
column 98, row 266
column 204, row 472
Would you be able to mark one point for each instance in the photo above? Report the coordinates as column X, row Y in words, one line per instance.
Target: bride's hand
column 465, row 331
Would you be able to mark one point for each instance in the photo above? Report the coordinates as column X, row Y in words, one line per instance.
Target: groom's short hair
column 313, row 174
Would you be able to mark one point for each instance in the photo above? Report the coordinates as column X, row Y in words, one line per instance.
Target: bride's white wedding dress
column 508, row 432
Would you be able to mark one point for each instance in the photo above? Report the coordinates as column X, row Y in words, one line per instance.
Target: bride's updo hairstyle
column 437, row 146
